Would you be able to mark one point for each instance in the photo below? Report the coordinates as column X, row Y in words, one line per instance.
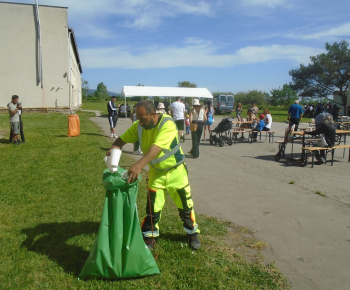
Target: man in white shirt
column 177, row 110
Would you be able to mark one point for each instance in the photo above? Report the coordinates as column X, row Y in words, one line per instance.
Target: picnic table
column 338, row 132
column 343, row 125
column 241, row 127
column 237, row 131
column 310, row 141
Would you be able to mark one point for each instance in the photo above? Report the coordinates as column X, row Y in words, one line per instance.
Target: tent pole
column 126, row 109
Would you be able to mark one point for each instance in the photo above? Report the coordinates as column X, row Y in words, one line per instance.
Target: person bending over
column 327, row 130
column 159, row 141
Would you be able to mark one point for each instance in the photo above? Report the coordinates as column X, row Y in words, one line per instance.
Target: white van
column 223, row 103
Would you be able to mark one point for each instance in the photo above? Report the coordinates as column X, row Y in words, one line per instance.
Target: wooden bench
column 270, row 133
column 327, row 149
column 238, row 131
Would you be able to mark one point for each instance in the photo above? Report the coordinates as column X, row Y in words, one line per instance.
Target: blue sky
column 223, row 45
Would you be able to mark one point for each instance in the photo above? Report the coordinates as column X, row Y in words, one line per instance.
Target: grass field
column 51, row 199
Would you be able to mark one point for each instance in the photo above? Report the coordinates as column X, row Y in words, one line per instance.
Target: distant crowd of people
column 311, row 110
column 198, row 120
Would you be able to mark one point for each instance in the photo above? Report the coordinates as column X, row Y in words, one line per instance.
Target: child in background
column 259, row 127
column 187, row 123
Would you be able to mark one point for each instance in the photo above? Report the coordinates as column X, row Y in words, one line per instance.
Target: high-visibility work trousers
column 175, row 181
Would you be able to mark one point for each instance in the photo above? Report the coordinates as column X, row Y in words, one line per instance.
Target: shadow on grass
column 173, row 237
column 4, row 141
column 52, row 240
column 93, row 134
column 90, row 134
column 105, row 148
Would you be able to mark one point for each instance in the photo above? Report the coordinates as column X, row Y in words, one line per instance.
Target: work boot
column 150, row 242
column 193, row 241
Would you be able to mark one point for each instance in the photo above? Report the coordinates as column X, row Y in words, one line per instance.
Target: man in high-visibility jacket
column 159, row 141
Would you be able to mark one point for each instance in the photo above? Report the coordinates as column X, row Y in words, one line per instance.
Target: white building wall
column 75, row 79
column 19, row 57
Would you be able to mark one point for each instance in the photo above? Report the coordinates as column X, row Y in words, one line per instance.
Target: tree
column 282, row 97
column 186, row 84
column 101, row 92
column 326, row 75
column 84, row 89
column 247, row 98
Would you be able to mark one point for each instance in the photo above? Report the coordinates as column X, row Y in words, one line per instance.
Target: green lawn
column 95, row 105
column 100, row 106
column 51, row 199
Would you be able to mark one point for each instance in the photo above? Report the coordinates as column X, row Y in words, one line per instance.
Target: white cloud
column 199, row 7
column 255, row 54
column 265, row 3
column 139, row 14
column 88, row 30
column 195, row 54
column 339, row 31
column 151, row 14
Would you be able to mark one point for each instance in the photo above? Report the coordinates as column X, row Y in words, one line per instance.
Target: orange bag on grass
column 73, row 126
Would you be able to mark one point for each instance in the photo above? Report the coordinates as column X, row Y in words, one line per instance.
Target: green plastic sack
column 119, row 250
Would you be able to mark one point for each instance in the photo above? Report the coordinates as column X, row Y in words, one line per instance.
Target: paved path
column 308, row 235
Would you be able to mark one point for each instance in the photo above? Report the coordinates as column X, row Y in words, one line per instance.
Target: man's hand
column 135, row 169
column 118, row 144
column 134, row 172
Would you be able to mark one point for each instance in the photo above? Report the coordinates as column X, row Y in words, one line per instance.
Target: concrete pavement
column 308, row 235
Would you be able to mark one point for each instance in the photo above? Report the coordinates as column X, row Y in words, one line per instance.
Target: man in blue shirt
column 295, row 113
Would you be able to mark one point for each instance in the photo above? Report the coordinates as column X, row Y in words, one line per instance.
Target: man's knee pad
column 187, row 218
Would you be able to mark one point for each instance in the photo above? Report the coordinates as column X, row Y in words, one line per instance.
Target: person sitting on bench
column 267, row 120
column 259, row 127
column 325, row 128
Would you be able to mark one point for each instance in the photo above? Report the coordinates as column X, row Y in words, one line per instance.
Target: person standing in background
column 14, row 108
column 295, row 113
column 198, row 117
column 187, row 123
column 239, row 112
column 177, row 110
column 20, row 112
column 209, row 111
column 161, row 108
column 254, row 109
column 112, row 115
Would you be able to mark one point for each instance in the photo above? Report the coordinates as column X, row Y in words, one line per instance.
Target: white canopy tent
column 142, row 91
